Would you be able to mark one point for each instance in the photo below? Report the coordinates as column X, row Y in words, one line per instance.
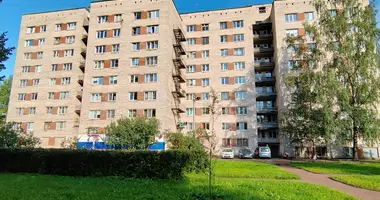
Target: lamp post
column 194, row 99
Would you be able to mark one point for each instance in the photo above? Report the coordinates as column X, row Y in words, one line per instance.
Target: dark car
column 245, row 153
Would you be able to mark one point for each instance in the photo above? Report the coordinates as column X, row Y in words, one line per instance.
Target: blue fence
column 159, row 146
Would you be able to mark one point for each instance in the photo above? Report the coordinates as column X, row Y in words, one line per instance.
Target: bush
column 139, row 164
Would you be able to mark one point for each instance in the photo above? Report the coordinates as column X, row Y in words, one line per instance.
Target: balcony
column 178, row 63
column 77, row 109
column 82, row 65
column 83, row 52
column 266, row 95
column 179, row 36
column 179, row 51
column 179, row 109
column 179, row 94
column 268, row 36
column 263, row 66
column 262, row 26
column 84, row 39
column 265, row 79
column 267, row 125
column 80, row 80
column 258, row 50
column 267, row 110
column 79, row 95
column 178, row 75
column 85, row 27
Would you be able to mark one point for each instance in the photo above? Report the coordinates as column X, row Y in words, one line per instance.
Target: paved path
column 324, row 179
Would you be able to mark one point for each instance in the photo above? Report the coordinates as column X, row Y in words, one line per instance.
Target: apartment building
column 78, row 70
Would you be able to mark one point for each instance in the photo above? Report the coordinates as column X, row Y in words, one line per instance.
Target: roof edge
column 220, row 9
column 79, row 8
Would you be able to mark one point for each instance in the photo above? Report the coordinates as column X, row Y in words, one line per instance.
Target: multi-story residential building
column 78, row 70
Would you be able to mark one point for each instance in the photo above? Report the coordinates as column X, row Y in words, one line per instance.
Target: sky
column 12, row 10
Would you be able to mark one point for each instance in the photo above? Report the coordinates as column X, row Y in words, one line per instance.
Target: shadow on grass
column 339, row 168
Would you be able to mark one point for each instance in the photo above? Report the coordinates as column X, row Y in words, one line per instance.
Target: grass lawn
column 41, row 187
column 349, row 168
column 366, row 182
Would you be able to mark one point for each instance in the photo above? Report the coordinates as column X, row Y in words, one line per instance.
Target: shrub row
column 139, row 164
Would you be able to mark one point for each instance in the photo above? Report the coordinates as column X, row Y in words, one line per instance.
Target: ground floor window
column 322, row 151
column 235, row 142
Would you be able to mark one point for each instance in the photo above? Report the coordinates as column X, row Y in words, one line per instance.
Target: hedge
column 139, row 164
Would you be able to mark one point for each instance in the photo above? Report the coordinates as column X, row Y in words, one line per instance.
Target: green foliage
column 70, row 143
column 5, row 52
column 5, row 91
column 137, row 132
column 12, row 138
column 139, row 164
column 366, row 182
column 339, row 167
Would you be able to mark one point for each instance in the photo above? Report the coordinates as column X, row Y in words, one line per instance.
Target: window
column 67, row 66
column 99, row 64
column 71, row 26
column 293, row 48
column 27, row 56
column 52, row 81
column 225, row 111
column 240, row 95
column 291, row 32
column 153, row 29
column 150, row 78
column 238, row 37
column 25, row 69
column 58, row 27
column 136, row 46
column 262, row 10
column 224, row 38
column 29, row 126
column 32, row 111
column 150, row 61
column 239, row 65
column 55, row 53
column 28, row 43
column 116, row 33
column 152, row 95
column 19, row 111
column 226, row 126
column 191, row 28
column 134, row 78
column 205, row 40
column 224, row 66
column 62, row 110
column 36, row 82
column 30, row 29
column 205, row 126
column 205, row 68
column 112, row 96
column 242, row 110
column 132, row 113
column 225, row 96
column 97, row 80
column 191, row 82
column 224, row 80
column 205, row 27
column 37, row 68
column 136, row 30
column 150, row 112
column 190, row 96
column 154, row 14
column 117, row 18
column 21, row 97
column 114, row 63
column 189, row 126
column 101, row 34
column 115, row 48
column 205, row 82
column 23, row 83
column 272, row 134
column 309, row 16
column 60, row 126
column 291, row 17
column 137, row 15
column 100, row 49
column 239, row 52
column 223, row 25
column 94, row 114
column 64, row 95
column 333, row 13
column 224, row 52
column 69, row 53
column 49, row 110
column 95, row 97
column 205, row 53
column 102, row 19
column 242, row 126
column 65, row 81
column 192, row 54
column 205, row 111
column 41, row 42
column 40, row 55
column 189, row 111
column 205, row 96
column 311, row 46
column 43, row 29
column 34, row 96
column 151, row 45
column 240, row 80
column 111, row 114
column 135, row 62
column 113, row 80
column 238, row 24
column 191, row 41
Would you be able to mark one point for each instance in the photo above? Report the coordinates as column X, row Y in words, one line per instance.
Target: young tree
column 181, row 141
column 136, row 132
column 5, row 91
column 5, row 52
column 12, row 138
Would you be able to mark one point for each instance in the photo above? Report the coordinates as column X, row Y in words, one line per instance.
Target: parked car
column 245, row 153
column 227, row 153
column 263, row 152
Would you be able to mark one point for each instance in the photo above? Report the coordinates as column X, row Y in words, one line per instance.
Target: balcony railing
column 266, row 94
column 263, row 36
column 79, row 95
column 263, row 49
column 263, row 64
column 265, row 79
column 267, row 125
column 179, row 76
column 178, row 34
column 178, row 63
column 266, row 110
column 80, row 80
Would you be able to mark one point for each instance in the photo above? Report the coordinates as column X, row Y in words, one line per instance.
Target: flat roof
column 219, row 9
column 57, row 10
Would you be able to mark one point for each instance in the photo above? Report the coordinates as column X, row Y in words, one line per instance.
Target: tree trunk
column 355, row 152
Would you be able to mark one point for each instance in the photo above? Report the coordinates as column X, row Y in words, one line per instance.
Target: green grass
column 349, row 168
column 366, row 182
column 233, row 180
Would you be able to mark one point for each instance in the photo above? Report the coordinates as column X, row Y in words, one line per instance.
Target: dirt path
column 324, row 179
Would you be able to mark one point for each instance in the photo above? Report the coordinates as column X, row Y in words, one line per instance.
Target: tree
column 137, row 132
column 5, row 91
column 182, row 141
column 5, row 52
column 16, row 138
column 345, row 65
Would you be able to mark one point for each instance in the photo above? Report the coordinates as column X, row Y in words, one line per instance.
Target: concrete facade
column 143, row 58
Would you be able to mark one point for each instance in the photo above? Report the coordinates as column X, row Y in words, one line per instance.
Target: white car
column 227, row 153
